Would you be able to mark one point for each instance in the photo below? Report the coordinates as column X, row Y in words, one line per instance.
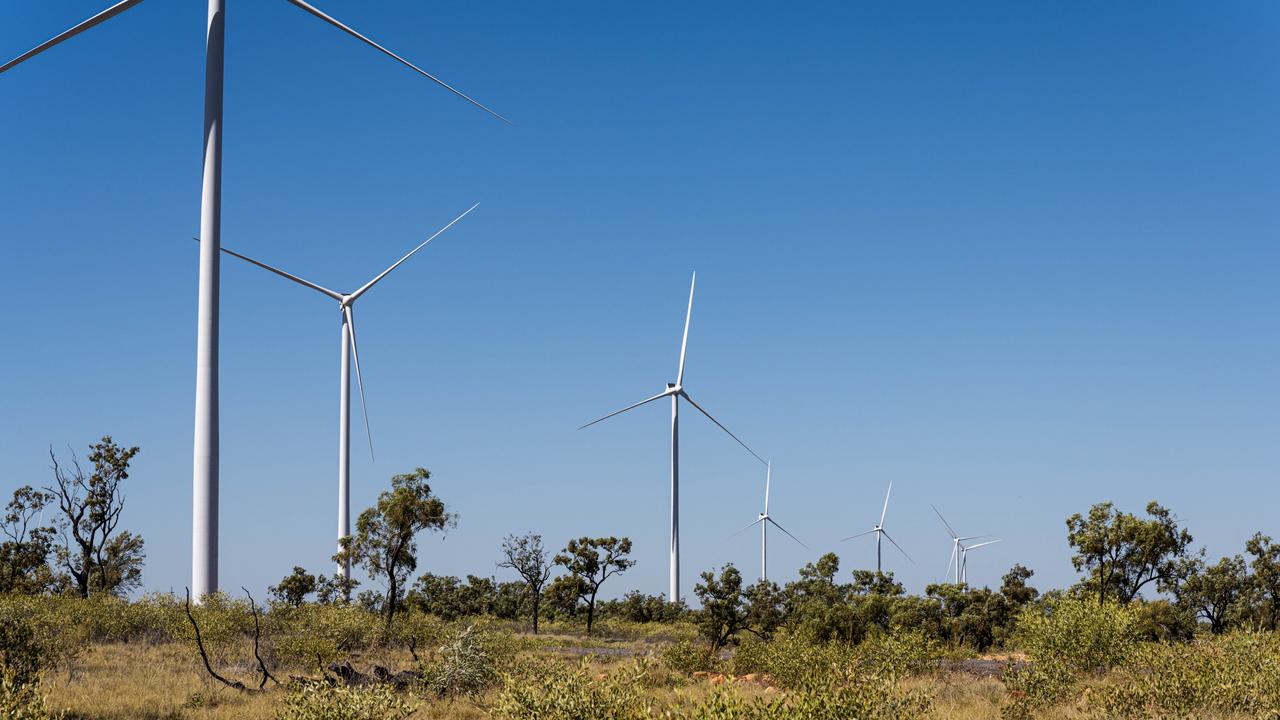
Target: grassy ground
column 166, row 681
column 139, row 681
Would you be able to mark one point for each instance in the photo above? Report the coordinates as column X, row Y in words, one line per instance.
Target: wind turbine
column 880, row 531
column 958, row 548
column 346, row 305
column 675, row 391
column 764, row 520
column 964, row 557
column 204, row 526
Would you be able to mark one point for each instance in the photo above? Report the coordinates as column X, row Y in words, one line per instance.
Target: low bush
column 549, row 690
column 322, row 701
column 1236, row 674
column 468, row 664
column 687, row 657
column 1066, row 640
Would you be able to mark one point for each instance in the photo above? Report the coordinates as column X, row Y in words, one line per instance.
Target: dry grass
column 140, row 681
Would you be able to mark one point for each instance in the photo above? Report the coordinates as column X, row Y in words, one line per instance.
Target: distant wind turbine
column 675, row 391
column 958, row 548
column 964, row 557
column 880, row 531
column 204, row 501
column 346, row 304
column 764, row 520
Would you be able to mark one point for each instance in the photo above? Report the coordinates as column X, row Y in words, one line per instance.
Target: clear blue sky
column 1016, row 258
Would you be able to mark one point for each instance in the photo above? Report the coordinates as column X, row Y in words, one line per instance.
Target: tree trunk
column 591, row 612
column 536, row 601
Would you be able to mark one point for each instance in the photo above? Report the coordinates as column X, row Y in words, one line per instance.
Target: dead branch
column 256, row 633
column 204, row 656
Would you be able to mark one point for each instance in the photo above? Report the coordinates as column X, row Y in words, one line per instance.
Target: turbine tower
column 764, row 520
column 881, row 532
column 958, row 548
column 675, row 391
column 204, row 525
column 346, row 305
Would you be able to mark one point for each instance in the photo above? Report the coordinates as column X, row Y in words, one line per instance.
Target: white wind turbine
column 204, row 520
column 346, row 303
column 880, row 531
column 764, row 520
column 675, row 391
column 958, row 548
column 964, row 557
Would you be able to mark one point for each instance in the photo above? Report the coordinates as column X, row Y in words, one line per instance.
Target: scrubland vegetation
column 1151, row 630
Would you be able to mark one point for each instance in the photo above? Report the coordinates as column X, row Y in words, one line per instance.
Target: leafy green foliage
column 724, row 610
column 465, row 665
column 22, row 700
column 90, row 507
column 592, row 561
column 549, row 690
column 1066, row 640
column 322, row 701
column 294, row 588
column 1123, row 553
column 525, row 555
column 24, row 566
column 1237, row 674
column 385, row 542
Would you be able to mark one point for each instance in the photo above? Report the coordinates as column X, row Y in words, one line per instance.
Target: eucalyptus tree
column 592, row 561
column 385, row 541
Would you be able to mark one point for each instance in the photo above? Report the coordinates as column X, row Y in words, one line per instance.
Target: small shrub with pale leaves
column 322, row 701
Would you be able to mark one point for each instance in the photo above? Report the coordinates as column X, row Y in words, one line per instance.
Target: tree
column 592, row 561
column 525, row 555
column 1266, row 578
column 562, row 597
column 294, row 588
column 24, row 556
column 765, row 613
column 385, row 542
column 1124, row 553
column 1014, row 586
column 330, row 591
column 90, row 513
column 1219, row 593
column 724, row 611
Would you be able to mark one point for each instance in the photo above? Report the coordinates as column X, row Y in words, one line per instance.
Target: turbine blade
column 684, row 343
column 859, row 535
column 768, row 476
column 685, row 395
column 895, row 544
column 629, row 407
column 793, row 537
column 103, row 16
column 944, row 522
column 281, row 273
column 975, row 547
column 351, row 325
column 886, row 504
column 972, row 537
column 334, row 22
column 371, row 283
column 748, row 527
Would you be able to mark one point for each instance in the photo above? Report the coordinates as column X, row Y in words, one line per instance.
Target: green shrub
column 320, row 701
column 549, row 690
column 1065, row 640
column 686, row 657
column 794, row 658
column 465, row 665
column 899, row 654
column 22, row 700
column 1237, row 674
column 870, row 699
